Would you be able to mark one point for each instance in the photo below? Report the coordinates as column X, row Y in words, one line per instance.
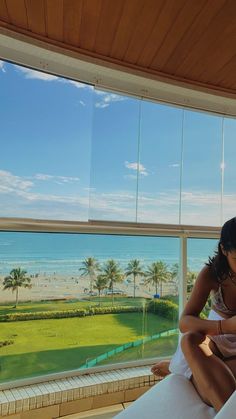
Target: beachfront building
column 117, row 171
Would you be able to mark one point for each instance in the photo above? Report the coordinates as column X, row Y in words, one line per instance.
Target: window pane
column 229, row 197
column 45, row 145
column 114, row 157
column 202, row 156
column 199, row 251
column 160, row 158
column 68, row 325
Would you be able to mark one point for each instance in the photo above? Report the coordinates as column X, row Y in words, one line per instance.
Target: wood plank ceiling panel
column 72, row 21
column 204, row 47
column 36, row 16
column 129, row 20
column 89, row 23
column 188, row 40
column 108, row 22
column 223, row 49
column 54, row 17
column 143, row 29
column 202, row 21
column 3, row 11
column 17, row 13
column 183, row 21
column 227, row 76
column 167, row 16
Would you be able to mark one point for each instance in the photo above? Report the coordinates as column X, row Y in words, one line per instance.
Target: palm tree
column 16, row 280
column 134, row 268
column 174, row 276
column 90, row 268
column 156, row 274
column 112, row 273
column 191, row 278
column 100, row 284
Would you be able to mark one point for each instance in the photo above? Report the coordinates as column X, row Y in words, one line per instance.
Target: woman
column 207, row 351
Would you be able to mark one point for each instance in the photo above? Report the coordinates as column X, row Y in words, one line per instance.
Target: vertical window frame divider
column 138, row 158
column 222, row 169
column 183, row 273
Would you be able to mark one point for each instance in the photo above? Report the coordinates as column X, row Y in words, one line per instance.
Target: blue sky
column 71, row 152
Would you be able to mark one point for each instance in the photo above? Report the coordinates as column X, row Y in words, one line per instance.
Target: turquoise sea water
column 63, row 253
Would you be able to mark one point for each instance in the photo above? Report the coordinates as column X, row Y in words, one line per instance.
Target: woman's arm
column 189, row 320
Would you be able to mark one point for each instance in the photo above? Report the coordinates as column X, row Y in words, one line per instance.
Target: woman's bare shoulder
column 207, row 278
column 205, row 283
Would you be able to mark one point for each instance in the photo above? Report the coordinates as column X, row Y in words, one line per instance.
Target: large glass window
column 229, row 169
column 114, row 158
column 71, row 152
column 45, row 145
column 84, row 300
column 160, row 163
column 202, row 157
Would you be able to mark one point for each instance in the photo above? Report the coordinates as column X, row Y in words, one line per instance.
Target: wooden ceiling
column 190, row 41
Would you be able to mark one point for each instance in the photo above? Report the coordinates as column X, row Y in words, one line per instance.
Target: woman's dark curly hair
column 218, row 263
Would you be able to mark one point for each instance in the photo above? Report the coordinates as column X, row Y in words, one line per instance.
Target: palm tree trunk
column 91, row 287
column 99, row 291
column 134, row 286
column 161, row 288
column 112, row 295
column 156, row 288
column 17, row 295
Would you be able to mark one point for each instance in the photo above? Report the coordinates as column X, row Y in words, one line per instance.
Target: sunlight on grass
column 43, row 346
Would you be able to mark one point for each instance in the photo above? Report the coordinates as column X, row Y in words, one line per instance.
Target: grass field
column 69, row 305
column 46, row 346
column 165, row 346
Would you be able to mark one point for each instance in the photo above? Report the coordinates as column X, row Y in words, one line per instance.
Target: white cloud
column 101, row 105
column 75, row 83
column 121, row 196
column 107, row 99
column 113, row 206
column 61, row 179
column 133, row 177
column 200, row 198
column 18, row 192
column 82, row 102
column 174, row 165
column 36, row 75
column 2, row 66
column 10, row 182
column 22, row 199
column 39, row 75
column 89, row 189
column 137, row 166
column 53, row 198
column 42, row 176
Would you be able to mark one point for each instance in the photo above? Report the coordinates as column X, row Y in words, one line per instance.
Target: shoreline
column 62, row 287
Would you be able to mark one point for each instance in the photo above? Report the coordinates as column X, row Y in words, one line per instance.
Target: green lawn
column 46, row 346
column 165, row 346
column 68, row 305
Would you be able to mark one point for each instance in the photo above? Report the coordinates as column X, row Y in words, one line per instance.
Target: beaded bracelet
column 220, row 331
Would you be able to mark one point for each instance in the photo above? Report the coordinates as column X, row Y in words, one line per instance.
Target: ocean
column 56, row 253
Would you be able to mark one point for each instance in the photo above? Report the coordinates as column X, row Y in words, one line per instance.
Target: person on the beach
column 207, row 350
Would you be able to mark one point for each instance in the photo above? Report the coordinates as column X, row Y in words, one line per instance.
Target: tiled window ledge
column 76, row 394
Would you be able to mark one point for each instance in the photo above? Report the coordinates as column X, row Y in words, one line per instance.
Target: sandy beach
column 55, row 286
